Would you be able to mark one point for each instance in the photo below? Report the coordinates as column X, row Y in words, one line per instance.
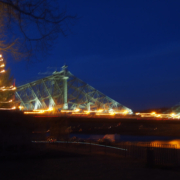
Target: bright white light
column 172, row 114
column 112, row 113
column 77, row 110
column 2, row 71
column 50, row 109
column 20, row 107
column 100, row 110
column 130, row 111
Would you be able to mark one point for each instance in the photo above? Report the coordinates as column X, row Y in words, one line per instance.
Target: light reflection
column 162, row 144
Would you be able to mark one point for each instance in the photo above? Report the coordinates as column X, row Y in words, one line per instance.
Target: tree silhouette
column 7, row 90
column 28, row 26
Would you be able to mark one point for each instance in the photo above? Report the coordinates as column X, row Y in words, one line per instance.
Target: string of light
column 11, row 88
column 4, row 88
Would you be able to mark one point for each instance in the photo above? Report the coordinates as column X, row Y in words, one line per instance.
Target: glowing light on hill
column 76, row 110
column 100, row 110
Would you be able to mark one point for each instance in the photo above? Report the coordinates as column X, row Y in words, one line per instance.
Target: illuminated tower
column 6, row 103
column 65, row 90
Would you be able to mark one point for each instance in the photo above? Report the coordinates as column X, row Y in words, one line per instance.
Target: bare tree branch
column 27, row 26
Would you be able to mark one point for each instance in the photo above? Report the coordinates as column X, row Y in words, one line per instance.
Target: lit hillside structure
column 63, row 91
column 175, row 109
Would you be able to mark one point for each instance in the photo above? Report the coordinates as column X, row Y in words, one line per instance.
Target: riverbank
column 131, row 127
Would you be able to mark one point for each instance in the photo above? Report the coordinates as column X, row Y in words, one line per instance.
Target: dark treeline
column 157, row 110
column 18, row 130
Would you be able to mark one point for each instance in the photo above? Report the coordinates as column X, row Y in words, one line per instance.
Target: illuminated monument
column 62, row 90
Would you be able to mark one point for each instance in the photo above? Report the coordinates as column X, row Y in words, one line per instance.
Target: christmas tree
column 7, row 90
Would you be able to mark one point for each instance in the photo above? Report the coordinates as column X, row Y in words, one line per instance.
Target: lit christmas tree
column 7, row 90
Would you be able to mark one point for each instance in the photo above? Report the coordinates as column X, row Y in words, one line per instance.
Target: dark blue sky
column 129, row 50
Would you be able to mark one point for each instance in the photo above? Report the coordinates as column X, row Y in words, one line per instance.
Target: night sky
column 129, row 50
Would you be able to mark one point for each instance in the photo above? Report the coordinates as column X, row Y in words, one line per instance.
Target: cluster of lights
column 2, row 65
column 13, row 108
column 10, row 101
column 77, row 111
column 154, row 115
column 38, row 111
column 11, row 88
column 98, row 112
column 20, row 107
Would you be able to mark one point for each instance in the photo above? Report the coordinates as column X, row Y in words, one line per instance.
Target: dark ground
column 53, row 164
column 63, row 165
